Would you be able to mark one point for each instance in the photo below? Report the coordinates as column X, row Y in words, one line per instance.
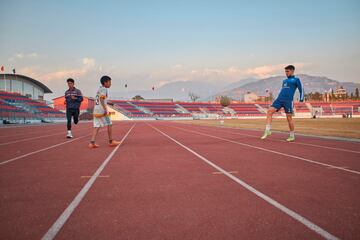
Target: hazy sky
column 146, row 43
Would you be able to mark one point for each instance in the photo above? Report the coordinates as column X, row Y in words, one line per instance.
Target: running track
column 176, row 181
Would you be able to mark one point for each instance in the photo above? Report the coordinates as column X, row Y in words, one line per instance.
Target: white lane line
column 100, row 176
column 341, row 139
column 312, row 226
column 41, row 150
column 35, row 131
column 217, row 173
column 298, row 143
column 43, row 136
column 326, row 147
column 6, row 135
column 271, row 151
column 33, row 138
column 56, row 227
column 30, row 125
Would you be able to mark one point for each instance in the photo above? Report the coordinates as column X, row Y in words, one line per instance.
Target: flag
column 14, row 71
column 2, row 68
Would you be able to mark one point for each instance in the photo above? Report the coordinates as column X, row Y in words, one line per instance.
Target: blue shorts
column 287, row 105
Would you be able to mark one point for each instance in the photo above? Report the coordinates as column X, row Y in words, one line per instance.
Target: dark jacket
column 73, row 103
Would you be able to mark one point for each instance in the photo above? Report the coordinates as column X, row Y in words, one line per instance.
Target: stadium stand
column 202, row 107
column 129, row 109
column 169, row 109
column 301, row 108
column 246, row 109
column 14, row 106
column 21, row 107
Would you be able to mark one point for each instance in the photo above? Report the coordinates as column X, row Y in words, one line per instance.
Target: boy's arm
column 301, row 90
column 103, row 104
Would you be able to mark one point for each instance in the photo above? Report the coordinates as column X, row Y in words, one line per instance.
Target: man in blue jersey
column 285, row 100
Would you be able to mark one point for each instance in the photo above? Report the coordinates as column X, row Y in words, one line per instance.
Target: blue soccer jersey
column 287, row 92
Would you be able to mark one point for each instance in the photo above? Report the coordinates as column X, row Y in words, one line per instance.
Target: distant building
column 87, row 105
column 24, row 85
column 250, row 97
column 340, row 92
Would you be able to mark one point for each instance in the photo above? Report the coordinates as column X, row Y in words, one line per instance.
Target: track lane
column 34, row 192
column 156, row 190
column 326, row 197
column 281, row 136
column 6, row 139
column 15, row 151
column 346, row 161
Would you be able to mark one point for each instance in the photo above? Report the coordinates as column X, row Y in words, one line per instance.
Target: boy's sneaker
column 266, row 134
column 290, row 139
column 114, row 143
column 69, row 135
column 93, row 145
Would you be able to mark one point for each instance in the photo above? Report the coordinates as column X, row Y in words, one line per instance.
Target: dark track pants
column 72, row 112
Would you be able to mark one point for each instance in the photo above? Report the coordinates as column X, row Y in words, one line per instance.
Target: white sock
column 268, row 127
column 69, row 131
column 292, row 134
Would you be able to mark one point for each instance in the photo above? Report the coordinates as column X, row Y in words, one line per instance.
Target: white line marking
column 41, row 150
column 266, row 198
column 6, row 135
column 341, row 167
column 31, row 125
column 216, row 173
column 33, row 138
column 271, row 151
column 34, row 132
column 55, row 228
column 326, row 147
column 299, row 143
column 341, row 139
column 100, row 176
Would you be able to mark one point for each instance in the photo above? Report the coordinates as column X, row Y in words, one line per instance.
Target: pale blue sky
column 154, row 42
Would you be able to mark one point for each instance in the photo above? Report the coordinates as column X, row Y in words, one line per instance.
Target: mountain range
column 180, row 90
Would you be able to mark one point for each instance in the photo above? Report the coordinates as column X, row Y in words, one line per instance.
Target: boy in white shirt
column 101, row 114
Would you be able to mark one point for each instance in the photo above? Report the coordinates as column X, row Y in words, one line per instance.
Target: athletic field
column 171, row 180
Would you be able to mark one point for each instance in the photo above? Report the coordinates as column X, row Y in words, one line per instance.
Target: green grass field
column 337, row 127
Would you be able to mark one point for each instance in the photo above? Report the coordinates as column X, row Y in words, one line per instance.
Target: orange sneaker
column 114, row 143
column 93, row 145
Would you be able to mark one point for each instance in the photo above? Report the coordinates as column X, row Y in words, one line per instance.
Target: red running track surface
column 154, row 188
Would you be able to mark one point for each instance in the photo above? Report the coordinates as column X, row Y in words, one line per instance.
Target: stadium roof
column 19, row 76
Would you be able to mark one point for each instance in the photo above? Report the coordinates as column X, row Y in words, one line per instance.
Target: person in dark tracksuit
column 73, row 99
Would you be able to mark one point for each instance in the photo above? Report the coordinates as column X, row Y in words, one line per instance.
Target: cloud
column 229, row 74
column 177, row 66
column 24, row 56
column 270, row 70
column 87, row 65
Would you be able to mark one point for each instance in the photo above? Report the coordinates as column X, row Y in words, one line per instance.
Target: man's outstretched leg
column 269, row 115
column 291, row 128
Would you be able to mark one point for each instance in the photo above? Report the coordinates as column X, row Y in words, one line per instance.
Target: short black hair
column 70, row 80
column 290, row 67
column 104, row 79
